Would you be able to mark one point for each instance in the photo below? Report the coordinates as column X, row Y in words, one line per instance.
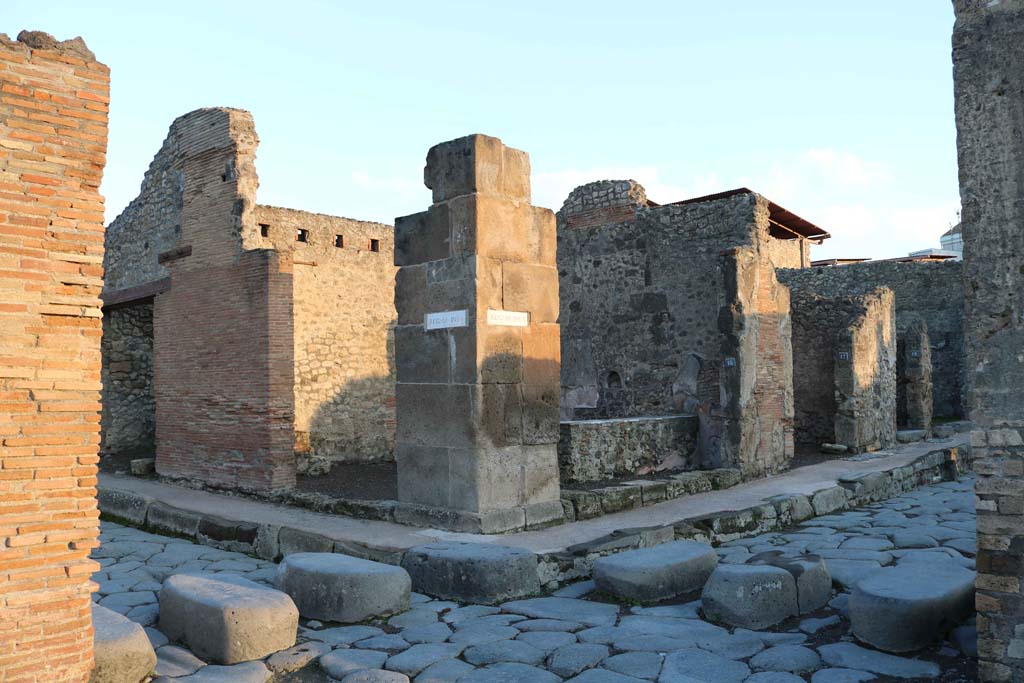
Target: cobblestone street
column 576, row 634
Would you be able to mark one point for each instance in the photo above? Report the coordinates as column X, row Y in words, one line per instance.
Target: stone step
column 750, row 596
column 334, row 587
column 472, row 572
column 225, row 619
column 908, row 607
column 659, row 573
column 122, row 649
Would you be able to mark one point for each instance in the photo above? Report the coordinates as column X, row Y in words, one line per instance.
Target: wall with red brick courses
column 53, row 139
column 223, row 330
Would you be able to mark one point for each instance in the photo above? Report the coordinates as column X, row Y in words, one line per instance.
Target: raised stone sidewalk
column 565, row 552
column 561, row 637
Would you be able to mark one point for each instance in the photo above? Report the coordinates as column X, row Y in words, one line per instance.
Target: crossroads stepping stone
column 850, row 656
column 813, row 582
column 335, row 587
column 472, row 572
column 658, row 573
column 122, row 648
column 905, row 608
column 227, row 620
column 690, row 665
column 750, row 596
column 846, row 573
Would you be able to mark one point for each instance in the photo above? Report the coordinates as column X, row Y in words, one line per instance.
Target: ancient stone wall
column 53, row 141
column 344, row 307
column 477, row 346
column 865, row 378
column 642, row 288
column 988, row 74
column 844, row 372
column 933, row 291
column 755, row 420
column 129, row 405
column 223, row 330
column 913, row 374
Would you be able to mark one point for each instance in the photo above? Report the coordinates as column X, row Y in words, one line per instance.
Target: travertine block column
column 477, row 346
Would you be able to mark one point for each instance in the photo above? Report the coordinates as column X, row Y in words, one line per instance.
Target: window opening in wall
column 374, row 245
column 613, row 381
column 301, row 235
column 264, row 230
column 339, row 241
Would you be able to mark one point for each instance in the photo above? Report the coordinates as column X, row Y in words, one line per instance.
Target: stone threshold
column 565, row 552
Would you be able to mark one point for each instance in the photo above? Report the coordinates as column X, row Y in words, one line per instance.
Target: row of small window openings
column 302, row 235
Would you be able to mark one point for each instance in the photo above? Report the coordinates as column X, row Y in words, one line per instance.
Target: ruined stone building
column 676, row 331
column 53, row 144
column 924, row 315
column 988, row 78
column 236, row 334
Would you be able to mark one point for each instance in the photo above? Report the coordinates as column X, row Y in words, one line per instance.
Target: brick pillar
column 914, row 375
column 988, row 73
column 53, row 140
column 477, row 346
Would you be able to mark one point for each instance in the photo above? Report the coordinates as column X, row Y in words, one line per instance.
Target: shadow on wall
column 357, row 423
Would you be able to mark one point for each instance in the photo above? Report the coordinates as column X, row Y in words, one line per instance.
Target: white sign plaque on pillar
column 508, row 318
column 444, row 320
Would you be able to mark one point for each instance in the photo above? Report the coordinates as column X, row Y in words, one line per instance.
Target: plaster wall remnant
column 932, row 290
column 988, row 77
column 53, row 142
column 477, row 346
column 271, row 327
column 675, row 309
column 914, row 374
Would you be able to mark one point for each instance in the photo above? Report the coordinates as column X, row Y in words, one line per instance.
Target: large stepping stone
column 335, row 587
column 907, row 607
column 122, row 648
column 227, row 619
column 813, row 582
column 472, row 572
column 658, row 573
column 750, row 596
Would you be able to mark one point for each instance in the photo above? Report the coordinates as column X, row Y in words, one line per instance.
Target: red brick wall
column 222, row 333
column 53, row 139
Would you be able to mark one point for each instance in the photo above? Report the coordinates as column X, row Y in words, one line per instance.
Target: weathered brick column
column 477, row 346
column 988, row 70
column 53, row 141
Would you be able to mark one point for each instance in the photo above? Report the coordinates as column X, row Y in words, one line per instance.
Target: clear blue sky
column 841, row 112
